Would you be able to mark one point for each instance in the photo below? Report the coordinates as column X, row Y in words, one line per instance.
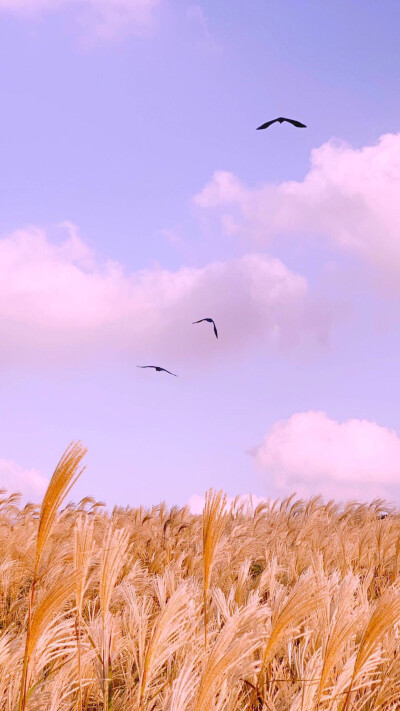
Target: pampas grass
column 112, row 560
column 65, row 475
column 82, row 557
column 292, row 606
column 214, row 518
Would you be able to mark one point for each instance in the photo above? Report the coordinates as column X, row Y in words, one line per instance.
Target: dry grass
column 294, row 606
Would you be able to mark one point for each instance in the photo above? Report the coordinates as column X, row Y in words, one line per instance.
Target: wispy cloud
column 29, row 482
column 310, row 453
column 58, row 302
column 173, row 237
column 196, row 15
column 101, row 19
column 349, row 195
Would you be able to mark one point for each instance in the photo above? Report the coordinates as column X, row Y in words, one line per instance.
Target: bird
column 281, row 119
column 210, row 320
column 158, row 369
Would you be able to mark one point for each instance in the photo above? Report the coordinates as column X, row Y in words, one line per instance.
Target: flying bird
column 158, row 369
column 210, row 320
column 281, row 119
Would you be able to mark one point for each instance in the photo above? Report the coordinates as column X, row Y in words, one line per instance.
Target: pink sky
column 59, row 299
column 137, row 196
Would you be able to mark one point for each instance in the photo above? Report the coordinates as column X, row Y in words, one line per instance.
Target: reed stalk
column 83, row 551
column 64, row 477
column 214, row 519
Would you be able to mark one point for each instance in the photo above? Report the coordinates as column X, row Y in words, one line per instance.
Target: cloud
column 196, row 15
column 103, row 19
column 29, row 482
column 350, row 196
column 59, row 304
column 310, row 453
column 172, row 237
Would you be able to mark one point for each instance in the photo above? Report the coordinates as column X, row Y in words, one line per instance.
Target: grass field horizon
column 288, row 605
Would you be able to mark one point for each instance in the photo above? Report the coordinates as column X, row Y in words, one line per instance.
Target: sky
column 136, row 197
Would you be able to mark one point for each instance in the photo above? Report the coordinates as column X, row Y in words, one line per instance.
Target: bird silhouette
column 210, row 320
column 158, row 369
column 281, row 119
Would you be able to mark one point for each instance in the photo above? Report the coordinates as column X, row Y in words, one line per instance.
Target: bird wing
column 265, row 125
column 202, row 319
column 147, row 366
column 295, row 123
column 168, row 371
column 215, row 330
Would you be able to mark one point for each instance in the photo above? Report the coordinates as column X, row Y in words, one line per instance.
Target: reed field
column 291, row 606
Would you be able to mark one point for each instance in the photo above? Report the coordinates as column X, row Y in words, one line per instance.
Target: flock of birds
column 281, row 119
column 164, row 370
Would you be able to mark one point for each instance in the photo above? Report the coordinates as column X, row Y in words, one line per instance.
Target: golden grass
column 214, row 518
column 65, row 475
column 294, row 606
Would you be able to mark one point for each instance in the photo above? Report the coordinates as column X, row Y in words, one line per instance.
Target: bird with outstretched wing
column 158, row 369
column 209, row 320
column 281, row 119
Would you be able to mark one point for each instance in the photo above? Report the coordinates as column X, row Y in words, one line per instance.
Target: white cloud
column 349, row 195
column 58, row 304
column 104, row 19
column 310, row 453
column 29, row 482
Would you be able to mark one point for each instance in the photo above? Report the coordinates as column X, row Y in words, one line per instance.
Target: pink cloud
column 29, row 482
column 311, row 453
column 57, row 303
column 349, row 195
column 104, row 19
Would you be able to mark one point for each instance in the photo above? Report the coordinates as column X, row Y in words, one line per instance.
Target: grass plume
column 293, row 606
column 214, row 518
column 65, row 475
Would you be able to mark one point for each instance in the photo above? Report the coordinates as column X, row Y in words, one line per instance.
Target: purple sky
column 136, row 196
